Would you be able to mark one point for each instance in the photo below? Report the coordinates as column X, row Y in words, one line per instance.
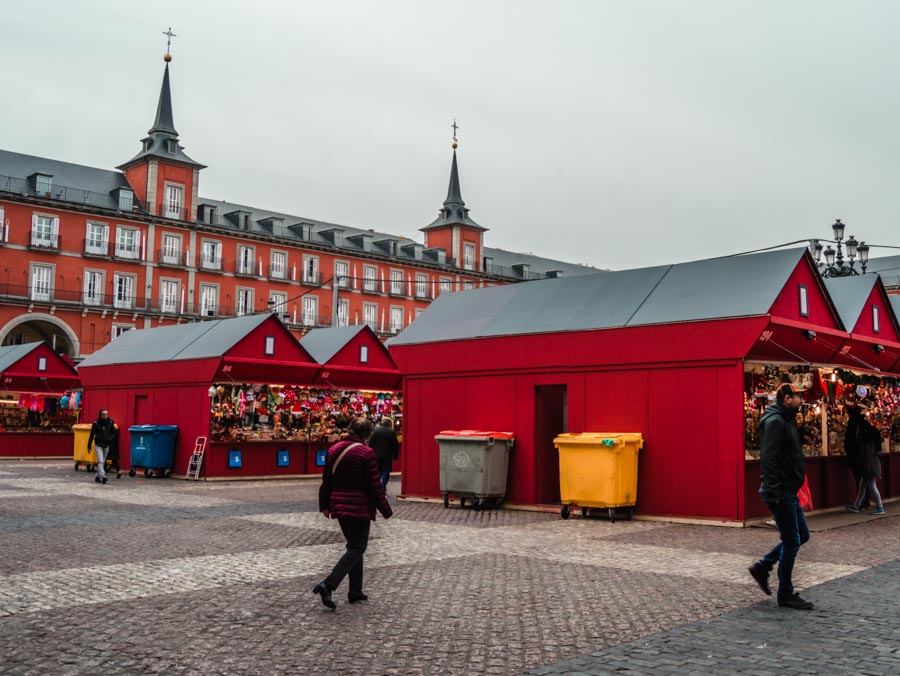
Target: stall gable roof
column 736, row 286
column 895, row 303
column 323, row 344
column 849, row 295
column 199, row 340
column 10, row 354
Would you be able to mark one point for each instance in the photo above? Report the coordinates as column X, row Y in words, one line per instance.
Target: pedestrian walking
column 351, row 491
column 104, row 431
column 383, row 441
column 868, row 442
column 783, row 473
column 852, row 449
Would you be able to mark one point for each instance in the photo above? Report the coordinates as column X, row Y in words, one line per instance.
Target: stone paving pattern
column 153, row 575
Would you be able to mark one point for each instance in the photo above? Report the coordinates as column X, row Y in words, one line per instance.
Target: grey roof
column 199, row 340
column 323, row 344
column 895, row 303
column 710, row 289
column 538, row 265
column 19, row 166
column 888, row 268
column 10, row 354
column 849, row 295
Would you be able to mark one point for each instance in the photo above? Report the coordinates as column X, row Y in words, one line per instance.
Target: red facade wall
column 821, row 311
column 865, row 325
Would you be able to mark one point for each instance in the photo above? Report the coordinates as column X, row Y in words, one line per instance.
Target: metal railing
column 41, row 294
column 170, row 257
column 206, row 263
column 24, row 187
column 278, row 272
column 246, row 268
column 127, row 252
column 93, row 247
column 42, row 240
column 176, row 213
column 312, row 278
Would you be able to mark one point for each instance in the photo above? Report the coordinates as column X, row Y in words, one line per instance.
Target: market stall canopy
column 36, row 368
column 352, row 357
column 720, row 288
column 253, row 348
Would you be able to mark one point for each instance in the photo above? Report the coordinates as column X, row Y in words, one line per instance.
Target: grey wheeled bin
column 474, row 464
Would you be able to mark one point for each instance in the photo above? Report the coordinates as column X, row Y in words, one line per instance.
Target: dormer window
column 804, row 301
column 876, row 320
column 147, row 143
column 43, row 183
column 126, row 200
column 172, row 145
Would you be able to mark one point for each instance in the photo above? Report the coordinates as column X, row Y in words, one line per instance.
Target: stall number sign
column 321, row 458
column 284, row 457
column 235, row 458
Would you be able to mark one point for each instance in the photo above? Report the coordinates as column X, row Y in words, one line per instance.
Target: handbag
column 805, row 496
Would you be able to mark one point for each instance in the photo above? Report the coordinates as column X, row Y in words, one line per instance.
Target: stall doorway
column 550, row 417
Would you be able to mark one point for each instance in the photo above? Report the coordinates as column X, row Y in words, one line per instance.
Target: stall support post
column 823, row 414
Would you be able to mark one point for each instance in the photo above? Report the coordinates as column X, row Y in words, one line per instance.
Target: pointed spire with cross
column 454, row 127
column 169, row 35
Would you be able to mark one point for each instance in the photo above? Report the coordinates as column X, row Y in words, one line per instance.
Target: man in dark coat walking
column 387, row 449
column 351, row 491
column 783, row 473
column 105, row 432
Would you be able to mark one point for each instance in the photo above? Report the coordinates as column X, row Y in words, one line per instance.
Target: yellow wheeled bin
column 81, row 453
column 598, row 471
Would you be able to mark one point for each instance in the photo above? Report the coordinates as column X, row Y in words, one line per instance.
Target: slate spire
column 454, row 210
column 454, row 194
column 164, row 122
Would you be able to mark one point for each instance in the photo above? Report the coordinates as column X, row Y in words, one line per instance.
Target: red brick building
column 86, row 254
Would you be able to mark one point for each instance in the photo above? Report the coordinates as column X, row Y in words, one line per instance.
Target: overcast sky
column 618, row 134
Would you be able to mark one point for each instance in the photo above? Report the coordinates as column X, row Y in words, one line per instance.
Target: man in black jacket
column 104, row 431
column 783, row 473
column 387, row 449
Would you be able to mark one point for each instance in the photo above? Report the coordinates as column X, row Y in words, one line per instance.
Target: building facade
column 87, row 254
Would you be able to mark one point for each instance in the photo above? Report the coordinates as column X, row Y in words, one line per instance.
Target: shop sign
column 321, row 458
column 284, row 457
column 235, row 458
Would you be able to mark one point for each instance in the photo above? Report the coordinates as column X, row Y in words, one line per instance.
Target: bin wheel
column 91, row 468
column 148, row 473
column 167, row 472
column 462, row 501
column 131, row 472
column 76, row 466
column 564, row 512
column 584, row 512
column 498, row 502
column 629, row 513
column 476, row 504
column 446, row 500
column 612, row 514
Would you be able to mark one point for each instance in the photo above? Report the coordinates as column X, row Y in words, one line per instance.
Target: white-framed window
column 278, row 302
column 211, row 254
column 804, row 300
column 168, row 295
column 342, row 274
column 311, row 269
column 397, row 282
column 269, row 349
column 93, row 287
column 171, row 249
column 278, row 266
column 421, row 285
column 41, row 282
column 370, row 315
column 174, row 204
column 370, row 278
column 209, row 300
column 310, row 310
column 419, row 312
column 118, row 329
column 96, row 239
column 4, row 228
column 43, row 184
column 126, row 200
column 468, row 285
column 244, row 299
column 363, row 354
column 396, row 319
column 123, row 291
column 128, row 242
column 343, row 313
column 45, row 231
column 445, row 285
column 245, row 260
column 468, row 256
column 876, row 319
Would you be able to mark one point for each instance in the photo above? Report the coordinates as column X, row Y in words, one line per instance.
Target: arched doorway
column 34, row 326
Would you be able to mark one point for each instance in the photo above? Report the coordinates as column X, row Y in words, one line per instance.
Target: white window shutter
column 55, row 227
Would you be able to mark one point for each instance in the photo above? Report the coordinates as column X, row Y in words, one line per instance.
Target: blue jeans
column 385, row 476
column 794, row 532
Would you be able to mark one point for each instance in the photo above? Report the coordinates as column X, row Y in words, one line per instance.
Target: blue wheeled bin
column 152, row 449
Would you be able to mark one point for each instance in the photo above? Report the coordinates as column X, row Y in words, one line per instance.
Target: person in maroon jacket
column 351, row 491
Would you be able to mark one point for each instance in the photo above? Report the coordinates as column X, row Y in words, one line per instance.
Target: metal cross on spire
column 169, row 35
column 454, row 126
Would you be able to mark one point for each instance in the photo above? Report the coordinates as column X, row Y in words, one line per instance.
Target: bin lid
column 82, row 426
column 476, row 433
column 599, row 439
column 147, row 429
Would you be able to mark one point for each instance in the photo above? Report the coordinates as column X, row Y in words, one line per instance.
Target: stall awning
column 249, row 370
column 359, row 378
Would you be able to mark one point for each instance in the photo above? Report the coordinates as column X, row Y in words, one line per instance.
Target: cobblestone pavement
column 153, row 575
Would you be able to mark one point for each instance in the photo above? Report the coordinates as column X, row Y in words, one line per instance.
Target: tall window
column 445, row 285
column 123, row 291
column 245, row 260
column 279, row 265
column 171, row 250
column 41, row 282
column 370, row 274
column 370, row 315
column 876, row 320
column 244, row 302
column 168, row 295
column 468, row 256
column 211, row 255
column 127, row 242
column 93, row 287
column 468, row 285
column 126, row 200
column 396, row 319
column 209, row 300
column 310, row 310
column 174, row 201
column 397, row 282
column 97, row 239
column 45, row 232
column 342, row 274
column 278, row 302
column 421, row 285
column 343, row 312
column 311, row 269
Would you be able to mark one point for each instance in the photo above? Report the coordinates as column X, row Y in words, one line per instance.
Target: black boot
column 353, row 597
column 324, row 591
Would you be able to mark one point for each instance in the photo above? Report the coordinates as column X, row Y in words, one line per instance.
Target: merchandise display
column 264, row 412
column 28, row 412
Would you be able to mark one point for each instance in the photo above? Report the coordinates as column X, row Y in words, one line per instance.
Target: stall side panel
column 616, row 401
column 193, row 421
column 730, row 445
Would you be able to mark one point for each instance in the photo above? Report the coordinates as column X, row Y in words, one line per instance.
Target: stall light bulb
column 833, row 377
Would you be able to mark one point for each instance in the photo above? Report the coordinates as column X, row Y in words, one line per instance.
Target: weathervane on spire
column 169, row 35
column 454, row 126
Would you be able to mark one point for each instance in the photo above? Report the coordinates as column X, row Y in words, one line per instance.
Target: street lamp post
column 835, row 264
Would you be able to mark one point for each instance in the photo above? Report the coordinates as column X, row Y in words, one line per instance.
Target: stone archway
column 36, row 326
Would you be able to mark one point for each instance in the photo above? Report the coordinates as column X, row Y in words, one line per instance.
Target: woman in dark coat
column 869, row 444
column 351, row 491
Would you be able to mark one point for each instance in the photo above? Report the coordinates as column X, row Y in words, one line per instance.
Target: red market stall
column 675, row 353
column 359, row 373
column 39, row 401
column 232, row 380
